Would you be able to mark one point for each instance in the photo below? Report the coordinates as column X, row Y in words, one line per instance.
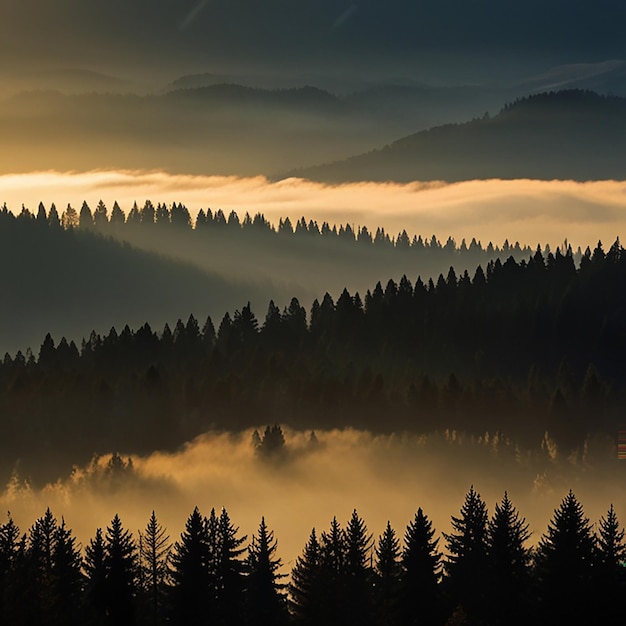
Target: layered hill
column 72, row 274
column 71, row 281
column 570, row 134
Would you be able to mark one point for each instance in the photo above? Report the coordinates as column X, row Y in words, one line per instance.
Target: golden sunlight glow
column 528, row 211
column 384, row 477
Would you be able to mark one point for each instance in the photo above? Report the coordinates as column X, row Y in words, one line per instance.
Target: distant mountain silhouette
column 306, row 97
column 570, row 134
column 220, row 129
column 193, row 81
column 70, row 81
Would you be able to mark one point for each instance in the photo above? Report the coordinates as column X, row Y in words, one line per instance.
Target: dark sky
column 112, row 33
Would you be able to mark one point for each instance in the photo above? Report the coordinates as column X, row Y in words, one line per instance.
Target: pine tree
column 120, row 559
column 304, row 590
column 388, row 574
column 508, row 563
column 229, row 571
column 466, row 566
column 358, row 603
column 265, row 598
column 609, row 570
column 9, row 551
column 69, row 218
column 100, row 217
column 96, row 575
column 68, row 580
column 40, row 559
column 421, row 570
column 85, row 219
column 22, row 606
column 153, row 556
column 117, row 216
column 190, row 574
column 333, row 575
column 564, row 562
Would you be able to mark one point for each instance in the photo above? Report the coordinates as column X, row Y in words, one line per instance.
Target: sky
column 488, row 38
column 528, row 211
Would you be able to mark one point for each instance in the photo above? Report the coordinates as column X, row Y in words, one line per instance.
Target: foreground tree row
column 489, row 575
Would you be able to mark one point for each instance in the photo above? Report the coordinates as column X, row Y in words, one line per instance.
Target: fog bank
column 383, row 477
column 528, row 211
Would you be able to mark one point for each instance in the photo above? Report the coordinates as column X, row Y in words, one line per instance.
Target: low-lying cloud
column 383, row 477
column 528, row 211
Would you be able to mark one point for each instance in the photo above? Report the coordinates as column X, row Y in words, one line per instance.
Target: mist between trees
column 250, row 247
column 95, row 282
column 482, row 571
column 519, row 348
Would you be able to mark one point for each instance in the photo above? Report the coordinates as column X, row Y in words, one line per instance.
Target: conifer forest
column 312, row 313
column 529, row 343
column 213, row 574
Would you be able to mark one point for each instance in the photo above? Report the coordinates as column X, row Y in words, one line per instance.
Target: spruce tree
column 96, row 580
column 40, row 560
column 120, row 559
column 153, row 556
column 85, row 219
column 388, row 574
column 358, row 603
column 190, row 575
column 466, row 566
column 420, row 598
column 610, row 569
column 229, row 571
column 265, row 598
column 563, row 565
column 9, row 551
column 508, row 565
column 68, row 579
column 333, row 575
column 304, row 590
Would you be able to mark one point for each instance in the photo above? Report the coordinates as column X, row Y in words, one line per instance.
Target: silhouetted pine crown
column 211, row 570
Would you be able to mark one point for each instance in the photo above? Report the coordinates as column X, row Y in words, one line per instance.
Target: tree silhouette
column 192, row 580
column 388, row 574
column 420, row 601
column 68, row 579
column 333, row 574
column 507, row 586
column 96, row 596
column 41, row 540
column 266, row 603
column 609, row 571
column 85, row 219
column 306, row 584
column 564, row 562
column 100, row 217
column 466, row 566
column 120, row 561
column 153, row 556
column 272, row 444
column 358, row 602
column 229, row 581
column 9, row 552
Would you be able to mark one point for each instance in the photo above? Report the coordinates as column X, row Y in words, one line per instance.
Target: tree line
column 212, row 574
column 520, row 348
column 177, row 218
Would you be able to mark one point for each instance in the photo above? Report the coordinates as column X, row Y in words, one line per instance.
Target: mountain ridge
column 568, row 134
